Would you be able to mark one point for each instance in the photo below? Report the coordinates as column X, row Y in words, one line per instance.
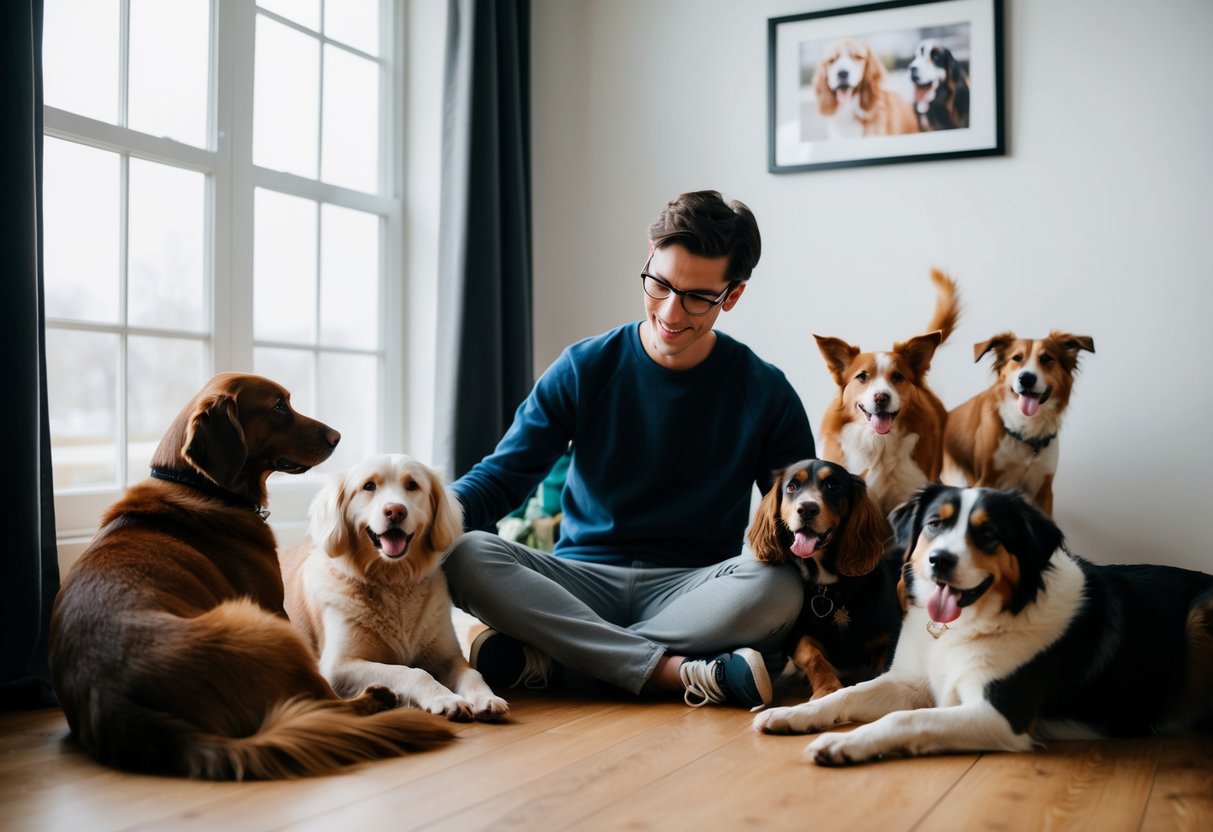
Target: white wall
column 1097, row 221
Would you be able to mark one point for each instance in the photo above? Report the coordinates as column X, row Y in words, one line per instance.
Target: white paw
column 452, row 706
column 853, row 747
column 795, row 720
column 489, row 708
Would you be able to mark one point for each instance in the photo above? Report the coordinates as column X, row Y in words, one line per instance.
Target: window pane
column 284, row 268
column 165, row 284
column 82, row 380
column 351, row 120
column 348, row 400
column 349, row 278
column 82, row 193
column 169, row 56
column 355, row 22
column 293, row 370
column 286, row 99
column 80, row 57
column 164, row 374
column 304, row 12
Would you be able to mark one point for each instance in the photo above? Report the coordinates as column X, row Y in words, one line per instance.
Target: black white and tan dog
column 941, row 88
column 1005, row 436
column 1010, row 640
column 819, row 516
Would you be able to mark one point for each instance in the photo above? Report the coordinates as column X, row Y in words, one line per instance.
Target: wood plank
column 31, row 737
column 1182, row 798
column 764, row 781
column 1097, row 785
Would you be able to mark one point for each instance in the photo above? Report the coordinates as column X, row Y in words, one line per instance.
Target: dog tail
column 303, row 737
column 947, row 305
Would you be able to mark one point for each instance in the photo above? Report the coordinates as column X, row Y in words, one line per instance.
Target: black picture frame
column 844, row 83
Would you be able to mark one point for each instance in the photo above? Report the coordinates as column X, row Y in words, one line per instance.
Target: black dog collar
column 1037, row 445
column 206, row 486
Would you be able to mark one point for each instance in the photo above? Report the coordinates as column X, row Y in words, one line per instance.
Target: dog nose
column 332, row 437
column 843, row 74
column 395, row 512
column 881, row 399
column 808, row 510
column 1027, row 380
column 942, row 562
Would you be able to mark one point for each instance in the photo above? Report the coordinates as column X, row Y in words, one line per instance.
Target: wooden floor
column 594, row 762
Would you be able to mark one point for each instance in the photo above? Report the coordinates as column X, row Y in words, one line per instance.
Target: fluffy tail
column 947, row 305
column 302, row 738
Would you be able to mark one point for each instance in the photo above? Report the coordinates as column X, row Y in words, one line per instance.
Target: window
column 219, row 194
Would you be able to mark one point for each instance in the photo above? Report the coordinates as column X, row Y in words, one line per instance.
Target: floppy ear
column 1035, row 540
column 999, row 344
column 919, row 351
column 1071, row 345
column 873, row 76
column 447, row 514
column 838, row 355
column 827, row 102
column 328, row 527
column 906, row 521
column 764, row 531
column 214, row 440
column 861, row 539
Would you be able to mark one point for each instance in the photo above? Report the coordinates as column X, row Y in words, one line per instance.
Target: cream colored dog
column 367, row 589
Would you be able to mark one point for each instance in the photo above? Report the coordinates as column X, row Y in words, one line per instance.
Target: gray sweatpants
column 614, row 623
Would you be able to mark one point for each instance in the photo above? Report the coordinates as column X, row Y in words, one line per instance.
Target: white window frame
column 228, row 271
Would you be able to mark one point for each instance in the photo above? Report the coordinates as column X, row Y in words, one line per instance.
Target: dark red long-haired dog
column 169, row 647
column 820, row 516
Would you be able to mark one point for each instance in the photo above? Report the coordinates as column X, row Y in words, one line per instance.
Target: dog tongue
column 803, row 546
column 393, row 543
column 882, row 423
column 843, row 94
column 1028, row 405
column 944, row 604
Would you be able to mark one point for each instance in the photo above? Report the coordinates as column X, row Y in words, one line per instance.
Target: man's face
column 673, row 337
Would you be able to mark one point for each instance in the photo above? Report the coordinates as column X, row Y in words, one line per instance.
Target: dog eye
column 861, row 377
column 933, row 524
column 829, row 486
column 280, row 406
column 1046, row 360
column 898, row 377
column 1017, row 357
column 792, row 487
column 370, row 486
column 412, row 485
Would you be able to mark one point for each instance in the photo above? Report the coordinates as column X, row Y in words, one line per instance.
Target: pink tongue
column 844, row 95
column 803, row 547
column 882, row 423
column 920, row 92
column 394, row 543
column 943, row 606
column 1028, row 405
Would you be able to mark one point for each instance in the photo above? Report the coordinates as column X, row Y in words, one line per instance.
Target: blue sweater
column 664, row 461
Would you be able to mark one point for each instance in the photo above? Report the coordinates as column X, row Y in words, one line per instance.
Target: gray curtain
column 484, row 294
column 29, row 565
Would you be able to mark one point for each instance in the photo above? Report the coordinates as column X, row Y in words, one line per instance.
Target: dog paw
column 453, row 707
column 377, row 698
column 490, row 708
column 840, row 750
column 795, row 720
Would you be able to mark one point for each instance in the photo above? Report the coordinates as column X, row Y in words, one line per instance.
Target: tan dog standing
column 367, row 589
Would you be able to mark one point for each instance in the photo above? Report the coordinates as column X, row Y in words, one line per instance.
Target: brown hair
column 706, row 226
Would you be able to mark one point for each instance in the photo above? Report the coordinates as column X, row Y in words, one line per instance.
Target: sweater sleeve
column 540, row 433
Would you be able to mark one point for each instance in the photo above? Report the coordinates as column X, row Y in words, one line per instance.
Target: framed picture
column 900, row 81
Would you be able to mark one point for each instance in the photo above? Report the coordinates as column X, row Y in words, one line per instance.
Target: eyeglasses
column 695, row 303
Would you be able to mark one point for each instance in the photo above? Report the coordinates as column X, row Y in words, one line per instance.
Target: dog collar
column 194, row 481
column 1037, row 445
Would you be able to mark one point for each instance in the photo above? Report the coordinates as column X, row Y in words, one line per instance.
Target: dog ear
column 827, row 102
column 214, row 440
column 1071, row 345
column 1032, row 540
column 999, row 344
column 328, row 526
column 919, row 351
column 906, row 519
column 447, row 515
column 838, row 355
column 862, row 538
column 764, row 531
column 873, row 75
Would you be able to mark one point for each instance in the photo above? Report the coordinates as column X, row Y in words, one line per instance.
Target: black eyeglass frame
column 712, row 303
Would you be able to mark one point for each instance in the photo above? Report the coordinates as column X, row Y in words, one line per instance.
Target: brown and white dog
column 851, row 94
column 1010, row 640
column 367, row 591
column 886, row 423
column 1005, row 436
column 818, row 515
column 169, row 646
